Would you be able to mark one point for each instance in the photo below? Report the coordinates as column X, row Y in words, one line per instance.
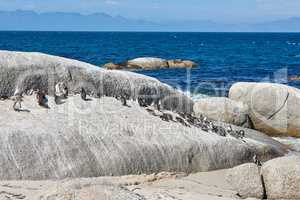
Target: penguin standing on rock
column 83, row 94
column 56, row 99
column 18, row 99
column 257, row 161
column 157, row 104
column 123, row 100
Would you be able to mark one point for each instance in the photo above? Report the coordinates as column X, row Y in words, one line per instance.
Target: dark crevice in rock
column 251, row 124
column 248, row 123
column 284, row 103
column 265, row 196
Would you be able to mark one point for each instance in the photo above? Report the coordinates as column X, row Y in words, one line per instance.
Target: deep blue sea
column 223, row 58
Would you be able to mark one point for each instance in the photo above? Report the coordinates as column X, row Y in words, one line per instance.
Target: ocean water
column 223, row 58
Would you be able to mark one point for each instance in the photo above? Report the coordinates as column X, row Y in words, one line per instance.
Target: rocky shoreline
column 241, row 182
column 157, row 129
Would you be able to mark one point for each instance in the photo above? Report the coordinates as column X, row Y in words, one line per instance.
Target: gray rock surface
column 27, row 71
column 282, row 178
column 291, row 142
column 223, row 109
column 166, row 186
column 246, row 180
column 274, row 108
column 102, row 137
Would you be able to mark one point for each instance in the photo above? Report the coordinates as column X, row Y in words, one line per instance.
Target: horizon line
column 116, row 31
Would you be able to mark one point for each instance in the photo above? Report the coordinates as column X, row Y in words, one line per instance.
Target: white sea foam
column 197, row 97
column 194, row 97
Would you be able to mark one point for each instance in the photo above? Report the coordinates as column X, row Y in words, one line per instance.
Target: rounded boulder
column 273, row 108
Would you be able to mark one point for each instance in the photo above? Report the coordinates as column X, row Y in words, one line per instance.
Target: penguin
column 56, row 99
column 222, row 132
column 157, row 104
column 66, row 92
column 242, row 134
column 18, row 99
column 83, row 94
column 257, row 161
column 142, row 102
column 123, row 100
column 182, row 121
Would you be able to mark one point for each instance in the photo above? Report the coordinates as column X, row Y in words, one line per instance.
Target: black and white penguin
column 83, row 94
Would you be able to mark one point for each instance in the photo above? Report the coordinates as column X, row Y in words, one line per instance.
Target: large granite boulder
column 246, row 180
column 274, row 108
column 276, row 179
column 26, row 71
column 149, row 63
column 282, row 178
column 224, row 110
column 77, row 138
column 102, row 137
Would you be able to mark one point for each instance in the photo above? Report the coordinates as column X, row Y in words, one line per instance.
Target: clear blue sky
column 230, row 11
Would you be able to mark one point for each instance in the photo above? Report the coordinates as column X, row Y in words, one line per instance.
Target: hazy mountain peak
column 64, row 21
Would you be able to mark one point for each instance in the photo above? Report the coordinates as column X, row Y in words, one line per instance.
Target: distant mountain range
column 60, row 21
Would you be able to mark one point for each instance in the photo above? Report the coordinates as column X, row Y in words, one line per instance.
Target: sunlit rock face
column 274, row 108
column 100, row 136
column 281, row 177
column 246, row 179
column 27, row 71
column 223, row 109
column 276, row 179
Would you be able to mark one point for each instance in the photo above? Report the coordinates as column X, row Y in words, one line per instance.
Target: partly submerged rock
column 112, row 66
column 294, row 78
column 181, row 64
column 282, row 178
column 274, row 108
column 149, row 63
column 224, row 110
column 246, row 180
column 27, row 71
